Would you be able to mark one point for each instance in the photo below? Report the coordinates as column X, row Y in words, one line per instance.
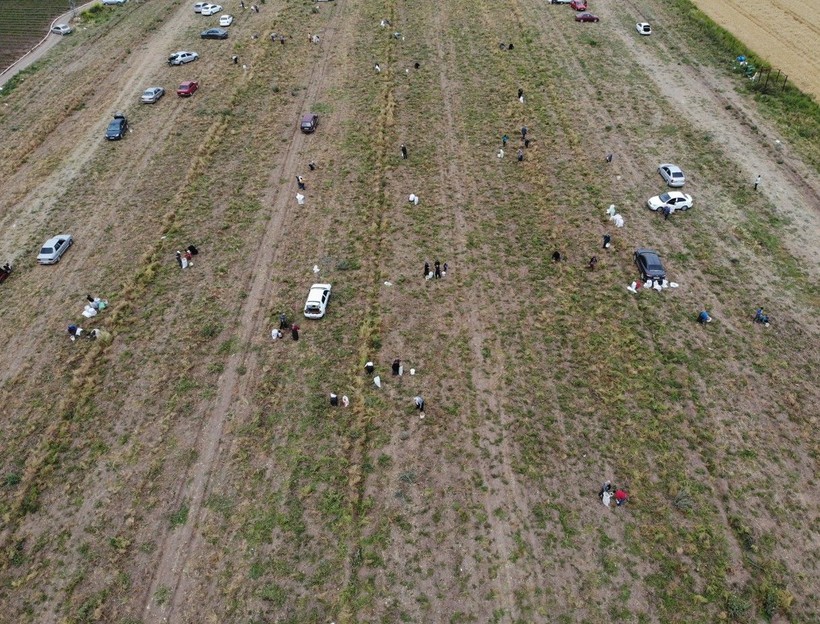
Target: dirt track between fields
column 192, row 470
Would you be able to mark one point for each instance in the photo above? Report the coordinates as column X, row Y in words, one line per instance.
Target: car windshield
column 665, row 197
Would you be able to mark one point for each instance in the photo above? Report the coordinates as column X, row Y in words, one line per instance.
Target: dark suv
column 649, row 264
column 309, row 123
column 117, row 128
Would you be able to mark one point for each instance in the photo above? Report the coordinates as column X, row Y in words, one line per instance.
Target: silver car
column 672, row 174
column 54, row 248
column 152, row 94
column 182, row 57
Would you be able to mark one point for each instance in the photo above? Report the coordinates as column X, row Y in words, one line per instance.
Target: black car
column 309, row 123
column 649, row 264
column 117, row 128
column 214, row 33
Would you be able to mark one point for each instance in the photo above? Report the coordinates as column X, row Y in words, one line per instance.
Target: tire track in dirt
column 179, row 545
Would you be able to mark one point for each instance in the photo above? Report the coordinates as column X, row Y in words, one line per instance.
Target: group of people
column 276, row 334
column 185, row 258
column 438, row 271
column 609, row 491
column 5, row 271
column 759, row 317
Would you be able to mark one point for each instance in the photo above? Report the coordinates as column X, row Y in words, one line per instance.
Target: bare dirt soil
column 784, row 32
column 193, row 470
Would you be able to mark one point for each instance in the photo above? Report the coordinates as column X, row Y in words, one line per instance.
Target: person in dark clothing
column 300, row 182
column 520, row 93
column 520, row 155
column 593, row 262
column 193, row 250
column 179, row 259
column 369, row 368
column 294, row 331
column 419, row 401
column 437, row 267
column 524, row 132
column 417, row 65
column 609, row 158
column 396, row 366
column 504, row 140
column 510, row 47
column 667, row 210
column 704, row 317
column 444, row 269
column 283, row 321
column 312, row 165
column 607, row 241
column 404, row 151
column 556, row 256
column 526, row 143
column 426, row 269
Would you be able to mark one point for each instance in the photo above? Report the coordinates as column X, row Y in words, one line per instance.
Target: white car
column 198, row 6
column 61, row 29
column 643, row 28
column 672, row 174
column 114, row 2
column 316, row 303
column 211, row 9
column 225, row 20
column 54, row 248
column 182, row 57
column 675, row 199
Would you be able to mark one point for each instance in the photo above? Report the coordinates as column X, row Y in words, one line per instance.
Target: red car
column 187, row 89
column 579, row 5
column 586, row 17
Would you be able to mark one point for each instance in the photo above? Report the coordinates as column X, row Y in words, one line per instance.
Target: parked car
column 114, row 2
column 54, row 248
column 188, row 88
column 643, row 28
column 309, row 123
column 675, row 199
column 198, row 6
column 211, row 9
column 317, row 299
column 578, row 5
column 61, row 29
column 214, row 33
column 225, row 20
column 586, row 17
column 151, row 95
column 182, row 57
column 649, row 264
column 117, row 128
column 672, row 174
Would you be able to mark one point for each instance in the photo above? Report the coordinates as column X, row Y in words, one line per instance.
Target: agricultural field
column 23, row 24
column 192, row 470
column 786, row 33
